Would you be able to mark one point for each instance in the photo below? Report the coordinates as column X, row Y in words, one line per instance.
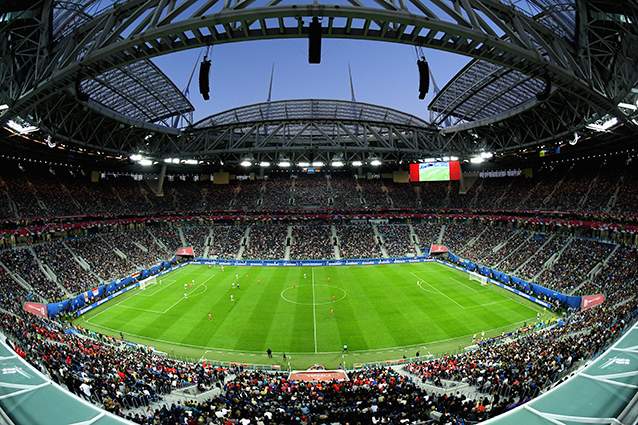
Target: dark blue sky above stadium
column 383, row 73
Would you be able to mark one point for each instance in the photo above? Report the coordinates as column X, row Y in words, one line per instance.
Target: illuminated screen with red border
column 435, row 171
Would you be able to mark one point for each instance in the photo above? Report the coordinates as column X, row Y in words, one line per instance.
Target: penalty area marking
column 283, row 296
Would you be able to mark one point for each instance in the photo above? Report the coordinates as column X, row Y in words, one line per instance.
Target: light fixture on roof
column 375, row 162
column 337, row 164
column 191, row 162
column 575, row 139
column 604, row 126
column 357, row 163
column 303, row 164
column 284, row 164
column 135, row 157
column 622, row 105
column 264, row 164
column 245, row 163
column 486, row 155
column 317, row 164
column 145, row 162
column 477, row 160
column 20, row 128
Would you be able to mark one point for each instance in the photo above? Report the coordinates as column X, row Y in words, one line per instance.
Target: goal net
column 147, row 282
column 479, row 278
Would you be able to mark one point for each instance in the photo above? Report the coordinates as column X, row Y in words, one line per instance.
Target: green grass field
column 381, row 312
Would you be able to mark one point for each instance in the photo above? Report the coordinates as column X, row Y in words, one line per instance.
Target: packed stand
column 312, row 243
column 515, row 238
column 249, row 195
column 277, row 194
column 538, row 259
column 520, row 254
column 266, row 242
column 345, row 193
column 21, row 262
column 127, row 242
column 357, row 241
column 458, row 234
column 618, row 272
column 24, row 197
column 167, row 235
column 225, row 241
column 397, row 240
column 427, row 232
column 483, row 245
column 11, row 293
column 219, row 197
column 403, row 195
column 436, row 194
column 374, row 193
column 101, row 369
column 310, row 192
column 195, row 235
column 575, row 264
column 99, row 254
column 68, row 272
column 6, row 205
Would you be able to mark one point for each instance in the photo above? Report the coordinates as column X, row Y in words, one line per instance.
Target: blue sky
column 383, row 73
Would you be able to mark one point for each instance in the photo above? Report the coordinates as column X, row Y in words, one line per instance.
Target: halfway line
column 314, row 307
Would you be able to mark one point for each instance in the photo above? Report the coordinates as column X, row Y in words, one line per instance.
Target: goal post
column 478, row 278
column 148, row 281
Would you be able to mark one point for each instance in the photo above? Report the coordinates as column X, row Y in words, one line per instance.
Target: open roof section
column 483, row 90
column 139, row 91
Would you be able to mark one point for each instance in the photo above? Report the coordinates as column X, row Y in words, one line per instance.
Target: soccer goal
column 147, row 282
column 479, row 278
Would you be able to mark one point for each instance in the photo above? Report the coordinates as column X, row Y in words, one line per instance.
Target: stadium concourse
column 572, row 230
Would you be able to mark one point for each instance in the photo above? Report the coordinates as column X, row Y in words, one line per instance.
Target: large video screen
column 435, row 171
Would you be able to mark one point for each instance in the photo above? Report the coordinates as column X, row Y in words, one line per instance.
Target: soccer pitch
column 382, row 312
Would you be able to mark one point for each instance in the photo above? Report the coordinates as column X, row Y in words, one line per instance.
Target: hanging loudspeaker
column 314, row 41
column 204, row 75
column 424, row 77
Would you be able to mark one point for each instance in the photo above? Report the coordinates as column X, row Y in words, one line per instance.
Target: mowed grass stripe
column 384, row 308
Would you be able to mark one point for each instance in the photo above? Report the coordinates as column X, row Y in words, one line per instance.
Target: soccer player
column 185, row 294
column 332, row 311
column 222, row 266
column 305, row 276
column 237, row 285
column 185, row 286
column 232, row 298
column 237, row 276
column 210, row 316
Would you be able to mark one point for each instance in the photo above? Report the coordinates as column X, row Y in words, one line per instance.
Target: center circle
column 303, row 294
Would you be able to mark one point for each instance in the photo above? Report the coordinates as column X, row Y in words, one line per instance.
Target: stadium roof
column 138, row 91
column 482, row 90
column 311, row 109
